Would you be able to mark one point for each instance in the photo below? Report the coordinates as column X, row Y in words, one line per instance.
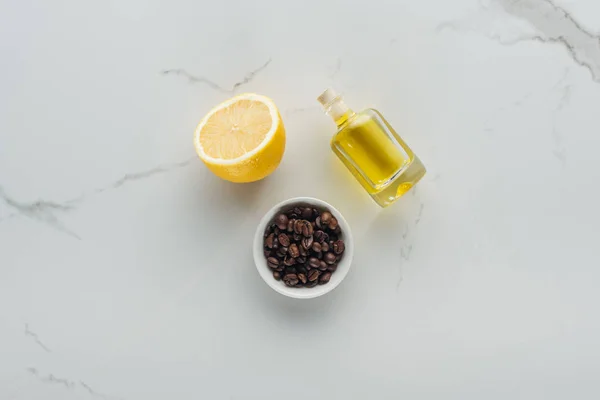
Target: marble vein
column 551, row 24
column 36, row 338
column 45, row 212
column 407, row 248
column 69, row 384
column 557, row 26
column 42, row 211
column 50, row 378
column 193, row 79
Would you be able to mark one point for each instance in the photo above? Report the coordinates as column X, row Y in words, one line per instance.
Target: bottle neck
column 335, row 107
column 339, row 112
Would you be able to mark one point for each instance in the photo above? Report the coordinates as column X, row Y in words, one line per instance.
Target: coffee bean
column 313, row 275
column 307, row 242
column 312, row 284
column 298, row 226
column 325, row 247
column 268, row 231
column 326, row 217
column 316, row 247
column 269, row 241
column 313, row 262
column 281, row 252
column 325, row 278
column 319, row 255
column 290, row 225
column 293, row 250
column 302, row 277
column 318, row 223
column 284, row 239
column 307, row 213
column 339, row 247
column 321, row 236
column 281, row 221
column 267, row 253
column 298, row 210
column 276, row 275
column 289, row 261
column 307, row 229
column 280, row 269
column 329, row 258
column 332, row 268
column 290, row 279
column 301, row 260
column 273, row 262
column 322, row 266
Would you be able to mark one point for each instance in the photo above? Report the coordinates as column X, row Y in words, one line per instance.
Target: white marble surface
column 126, row 268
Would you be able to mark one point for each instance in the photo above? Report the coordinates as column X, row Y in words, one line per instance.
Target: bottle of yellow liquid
column 373, row 152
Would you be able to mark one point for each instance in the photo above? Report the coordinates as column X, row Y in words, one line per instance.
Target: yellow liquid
column 376, row 155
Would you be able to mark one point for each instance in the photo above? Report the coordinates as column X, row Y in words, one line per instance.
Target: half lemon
column 241, row 139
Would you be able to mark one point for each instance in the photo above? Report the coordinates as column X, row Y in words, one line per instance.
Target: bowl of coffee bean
column 303, row 248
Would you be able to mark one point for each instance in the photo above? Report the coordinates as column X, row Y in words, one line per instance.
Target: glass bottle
column 372, row 150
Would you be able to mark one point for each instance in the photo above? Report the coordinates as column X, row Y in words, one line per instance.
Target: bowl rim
column 302, row 293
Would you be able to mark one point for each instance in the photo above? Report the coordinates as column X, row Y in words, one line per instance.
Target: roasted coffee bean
column 281, row 252
column 332, row 268
column 313, row 262
column 326, row 218
column 284, row 239
column 312, row 284
column 289, row 261
column 307, row 213
column 325, row 278
column 313, row 225
column 307, row 229
column 281, row 221
column 290, row 225
column 316, row 247
column 276, row 275
column 339, row 247
column 268, row 231
column 303, row 251
column 275, row 245
column 280, row 269
column 333, row 237
column 329, row 258
column 290, row 279
column 293, row 250
column 319, row 255
column 297, row 237
column 320, row 236
column 272, row 262
column 325, row 247
column 322, row 266
column 302, row 277
column 301, row 260
column 313, row 275
column 269, row 240
column 298, row 226
column 318, row 223
column 333, row 224
column 316, row 213
column 298, row 210
column 307, row 242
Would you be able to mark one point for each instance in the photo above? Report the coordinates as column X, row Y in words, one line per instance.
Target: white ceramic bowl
column 267, row 274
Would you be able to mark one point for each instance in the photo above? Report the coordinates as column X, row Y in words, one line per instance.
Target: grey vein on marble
column 45, row 211
column 68, row 384
column 212, row 84
column 36, row 339
column 552, row 25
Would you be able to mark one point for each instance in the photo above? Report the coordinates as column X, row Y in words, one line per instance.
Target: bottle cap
column 327, row 97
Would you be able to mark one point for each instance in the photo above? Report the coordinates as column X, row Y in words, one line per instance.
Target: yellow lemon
column 241, row 139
